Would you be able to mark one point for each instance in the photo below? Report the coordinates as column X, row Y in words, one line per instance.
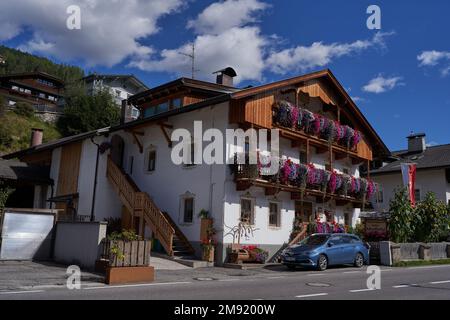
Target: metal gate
column 26, row 234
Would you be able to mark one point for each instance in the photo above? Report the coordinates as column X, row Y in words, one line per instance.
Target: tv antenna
column 192, row 57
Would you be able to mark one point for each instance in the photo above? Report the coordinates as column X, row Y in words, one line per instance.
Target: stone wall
column 392, row 253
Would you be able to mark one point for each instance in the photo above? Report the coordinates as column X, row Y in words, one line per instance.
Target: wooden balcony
column 248, row 175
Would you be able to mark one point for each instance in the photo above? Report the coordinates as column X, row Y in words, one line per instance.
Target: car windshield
column 316, row 240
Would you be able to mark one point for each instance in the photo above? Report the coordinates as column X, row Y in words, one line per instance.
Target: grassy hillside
column 18, row 62
column 15, row 131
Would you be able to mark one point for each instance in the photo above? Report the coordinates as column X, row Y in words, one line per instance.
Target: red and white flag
column 409, row 180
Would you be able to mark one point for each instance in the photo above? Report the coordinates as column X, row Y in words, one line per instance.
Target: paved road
column 431, row 282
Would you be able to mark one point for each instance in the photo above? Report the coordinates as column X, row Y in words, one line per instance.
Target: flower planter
column 208, row 254
column 239, row 256
column 119, row 275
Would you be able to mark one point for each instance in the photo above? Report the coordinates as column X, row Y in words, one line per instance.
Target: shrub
column 401, row 223
column 431, row 220
column 24, row 109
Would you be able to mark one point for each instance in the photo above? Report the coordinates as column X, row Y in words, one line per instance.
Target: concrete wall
column 426, row 181
column 78, row 243
column 411, row 251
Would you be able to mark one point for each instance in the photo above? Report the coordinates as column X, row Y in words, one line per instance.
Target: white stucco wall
column 426, row 181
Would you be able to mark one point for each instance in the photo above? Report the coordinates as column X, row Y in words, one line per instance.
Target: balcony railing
column 301, row 177
column 292, row 117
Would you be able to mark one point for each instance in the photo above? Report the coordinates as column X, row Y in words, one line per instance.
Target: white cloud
column 381, row 84
column 433, row 58
column 110, row 30
column 303, row 58
column 240, row 48
column 358, row 99
column 222, row 16
column 226, row 36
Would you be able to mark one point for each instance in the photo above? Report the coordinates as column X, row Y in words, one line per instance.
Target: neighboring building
column 433, row 170
column 2, row 60
column 43, row 91
column 138, row 182
column 121, row 87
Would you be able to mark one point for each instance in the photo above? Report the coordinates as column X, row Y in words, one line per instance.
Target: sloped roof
column 40, row 74
column 16, row 170
column 432, row 157
column 130, row 77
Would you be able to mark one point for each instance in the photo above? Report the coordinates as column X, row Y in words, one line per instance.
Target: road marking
column 440, row 282
column 137, row 285
column 20, row 292
column 361, row 290
column 314, row 274
column 427, row 267
column 312, row 295
column 352, row 272
column 405, row 286
column 228, row 280
column 275, row 277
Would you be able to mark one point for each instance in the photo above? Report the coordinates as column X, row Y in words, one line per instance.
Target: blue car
column 322, row 250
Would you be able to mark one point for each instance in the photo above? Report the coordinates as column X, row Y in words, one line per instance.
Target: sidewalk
column 28, row 274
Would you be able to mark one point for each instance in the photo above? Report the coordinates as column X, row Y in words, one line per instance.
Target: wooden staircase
column 299, row 237
column 142, row 206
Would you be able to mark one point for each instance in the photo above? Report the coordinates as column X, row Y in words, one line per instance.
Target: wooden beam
column 166, row 135
column 141, row 147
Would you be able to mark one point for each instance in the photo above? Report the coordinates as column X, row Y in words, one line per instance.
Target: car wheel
column 322, row 263
column 359, row 260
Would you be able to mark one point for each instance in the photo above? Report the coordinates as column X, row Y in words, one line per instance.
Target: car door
column 334, row 250
column 348, row 249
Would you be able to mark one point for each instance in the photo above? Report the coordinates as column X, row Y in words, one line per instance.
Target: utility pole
column 192, row 57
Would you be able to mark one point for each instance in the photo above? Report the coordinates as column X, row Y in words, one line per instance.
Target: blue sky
column 265, row 41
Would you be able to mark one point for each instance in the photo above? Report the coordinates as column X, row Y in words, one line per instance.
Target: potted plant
column 128, row 258
column 208, row 246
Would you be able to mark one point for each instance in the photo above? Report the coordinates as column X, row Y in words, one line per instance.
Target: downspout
column 95, row 180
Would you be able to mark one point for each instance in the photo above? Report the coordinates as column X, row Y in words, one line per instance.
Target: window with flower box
column 247, row 210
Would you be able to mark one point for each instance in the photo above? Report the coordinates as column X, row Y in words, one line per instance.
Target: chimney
column 36, row 137
column 416, row 143
column 225, row 76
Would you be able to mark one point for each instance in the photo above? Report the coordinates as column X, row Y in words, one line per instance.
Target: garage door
column 26, row 235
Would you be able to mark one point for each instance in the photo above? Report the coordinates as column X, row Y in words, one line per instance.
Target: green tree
column 85, row 113
column 401, row 223
column 432, row 219
column 24, row 109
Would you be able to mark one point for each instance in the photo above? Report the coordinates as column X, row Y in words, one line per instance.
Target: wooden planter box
column 240, row 256
column 205, row 224
column 208, row 254
column 130, row 265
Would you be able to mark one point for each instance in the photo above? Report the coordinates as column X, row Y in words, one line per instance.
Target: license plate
column 289, row 259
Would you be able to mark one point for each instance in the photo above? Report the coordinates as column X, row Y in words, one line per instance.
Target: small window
column 149, row 112
column 188, row 213
column 274, row 214
column 151, row 164
column 163, row 107
column 417, row 195
column 345, row 171
column 247, row 211
column 176, row 103
column 380, row 196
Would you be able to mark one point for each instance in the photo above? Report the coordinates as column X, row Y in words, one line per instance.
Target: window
column 188, row 210
column 247, row 211
column 274, row 214
column 176, row 103
column 345, row 171
column 162, row 107
column 417, row 195
column 151, row 162
column 118, row 93
column 190, row 161
column 149, row 112
column 348, row 218
column 380, row 196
